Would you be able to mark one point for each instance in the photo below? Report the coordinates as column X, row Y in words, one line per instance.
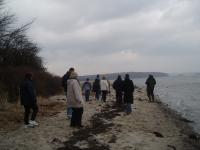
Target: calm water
column 181, row 93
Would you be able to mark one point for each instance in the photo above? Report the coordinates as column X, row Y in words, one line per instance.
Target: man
column 128, row 88
column 96, row 87
column 64, row 84
column 150, row 82
column 86, row 89
column 118, row 87
column 29, row 100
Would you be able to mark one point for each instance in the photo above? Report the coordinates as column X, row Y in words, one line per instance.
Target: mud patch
column 86, row 138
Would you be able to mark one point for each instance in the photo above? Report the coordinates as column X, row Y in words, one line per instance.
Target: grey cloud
column 71, row 31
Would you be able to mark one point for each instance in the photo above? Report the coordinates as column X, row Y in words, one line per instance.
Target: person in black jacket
column 128, row 88
column 29, row 100
column 150, row 82
column 97, row 88
column 118, row 87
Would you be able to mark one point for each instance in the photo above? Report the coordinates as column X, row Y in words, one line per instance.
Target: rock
column 193, row 137
column 157, row 134
column 171, row 146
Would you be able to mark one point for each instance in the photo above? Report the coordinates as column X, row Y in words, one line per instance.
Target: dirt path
column 150, row 127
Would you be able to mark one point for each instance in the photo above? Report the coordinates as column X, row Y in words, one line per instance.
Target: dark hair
column 28, row 76
column 87, row 79
column 126, row 76
column 71, row 69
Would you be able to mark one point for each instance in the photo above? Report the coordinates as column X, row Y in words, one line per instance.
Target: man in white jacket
column 75, row 100
column 104, row 88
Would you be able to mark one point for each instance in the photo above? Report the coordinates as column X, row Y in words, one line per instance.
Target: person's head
column 103, row 78
column 87, row 79
column 97, row 76
column 119, row 77
column 71, row 69
column 73, row 75
column 150, row 76
column 127, row 77
column 28, row 76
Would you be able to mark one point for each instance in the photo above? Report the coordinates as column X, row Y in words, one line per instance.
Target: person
column 128, row 88
column 118, row 87
column 86, row 89
column 150, row 82
column 96, row 87
column 104, row 88
column 29, row 100
column 75, row 100
column 64, row 84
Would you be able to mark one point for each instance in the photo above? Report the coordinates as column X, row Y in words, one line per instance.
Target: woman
column 104, row 88
column 75, row 100
column 128, row 88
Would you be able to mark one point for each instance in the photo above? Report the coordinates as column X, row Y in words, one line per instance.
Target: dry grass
column 12, row 117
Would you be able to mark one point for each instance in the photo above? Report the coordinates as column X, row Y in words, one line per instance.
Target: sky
column 105, row 36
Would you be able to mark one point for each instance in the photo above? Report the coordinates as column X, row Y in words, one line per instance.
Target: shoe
column 32, row 122
column 29, row 126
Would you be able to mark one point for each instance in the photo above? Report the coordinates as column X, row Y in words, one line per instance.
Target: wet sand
column 151, row 126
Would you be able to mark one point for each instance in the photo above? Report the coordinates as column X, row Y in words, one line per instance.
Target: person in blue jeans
column 86, row 89
column 64, row 84
column 128, row 89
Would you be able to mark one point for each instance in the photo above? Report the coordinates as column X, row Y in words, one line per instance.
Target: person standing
column 150, row 82
column 104, row 88
column 128, row 88
column 64, row 84
column 75, row 100
column 96, row 87
column 29, row 100
column 86, row 89
column 118, row 87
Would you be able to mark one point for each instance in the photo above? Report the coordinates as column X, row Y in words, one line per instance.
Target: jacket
column 28, row 93
column 96, row 86
column 74, row 94
column 128, row 88
column 104, row 85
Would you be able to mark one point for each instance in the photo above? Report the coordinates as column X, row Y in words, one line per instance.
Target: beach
column 151, row 126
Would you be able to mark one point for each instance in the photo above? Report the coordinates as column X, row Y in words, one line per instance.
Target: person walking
column 75, row 100
column 128, row 88
column 104, row 88
column 150, row 82
column 86, row 89
column 29, row 100
column 64, row 84
column 118, row 87
column 96, row 88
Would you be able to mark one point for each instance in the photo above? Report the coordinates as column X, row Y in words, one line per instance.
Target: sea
column 181, row 93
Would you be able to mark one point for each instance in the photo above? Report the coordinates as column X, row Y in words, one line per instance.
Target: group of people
column 74, row 94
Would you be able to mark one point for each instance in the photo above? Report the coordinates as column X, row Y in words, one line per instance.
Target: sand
column 151, row 126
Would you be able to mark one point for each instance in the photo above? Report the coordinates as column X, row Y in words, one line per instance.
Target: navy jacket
column 27, row 93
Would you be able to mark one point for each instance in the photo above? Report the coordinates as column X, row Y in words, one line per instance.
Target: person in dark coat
column 86, row 89
column 29, row 100
column 150, row 82
column 118, row 87
column 128, row 88
column 96, row 87
column 64, row 84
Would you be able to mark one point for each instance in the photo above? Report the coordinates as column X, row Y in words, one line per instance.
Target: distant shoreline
column 113, row 76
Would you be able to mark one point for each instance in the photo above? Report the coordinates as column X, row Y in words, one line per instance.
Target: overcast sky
column 103, row 36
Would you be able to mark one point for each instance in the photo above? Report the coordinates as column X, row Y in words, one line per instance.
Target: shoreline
column 151, row 126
